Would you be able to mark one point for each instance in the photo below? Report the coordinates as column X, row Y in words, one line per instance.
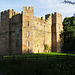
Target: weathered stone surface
column 25, row 33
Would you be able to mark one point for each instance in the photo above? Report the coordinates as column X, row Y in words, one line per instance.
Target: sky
column 41, row 7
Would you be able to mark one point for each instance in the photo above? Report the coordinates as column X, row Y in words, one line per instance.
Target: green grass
column 38, row 64
column 41, row 54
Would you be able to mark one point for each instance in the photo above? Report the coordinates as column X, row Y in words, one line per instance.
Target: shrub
column 46, row 47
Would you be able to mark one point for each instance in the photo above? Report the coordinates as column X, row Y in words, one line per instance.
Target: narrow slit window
column 17, row 43
column 17, row 30
column 27, row 34
column 27, row 43
column 28, row 23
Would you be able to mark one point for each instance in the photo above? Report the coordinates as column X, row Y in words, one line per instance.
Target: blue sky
column 41, row 7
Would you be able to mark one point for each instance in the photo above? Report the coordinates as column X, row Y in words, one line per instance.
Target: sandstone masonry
column 25, row 33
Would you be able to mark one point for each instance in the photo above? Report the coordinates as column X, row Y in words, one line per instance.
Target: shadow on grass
column 36, row 64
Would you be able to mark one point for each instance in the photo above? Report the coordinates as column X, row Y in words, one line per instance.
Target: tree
column 69, row 34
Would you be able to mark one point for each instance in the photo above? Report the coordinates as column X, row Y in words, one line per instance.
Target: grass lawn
column 38, row 64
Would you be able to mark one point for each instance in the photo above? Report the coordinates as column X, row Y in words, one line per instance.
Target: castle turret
column 4, row 42
column 27, row 17
column 57, row 29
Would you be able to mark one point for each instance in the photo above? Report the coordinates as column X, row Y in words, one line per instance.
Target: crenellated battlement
column 28, row 9
column 57, row 18
column 9, row 11
column 27, row 12
column 48, row 17
column 4, row 12
column 39, row 19
column 56, row 14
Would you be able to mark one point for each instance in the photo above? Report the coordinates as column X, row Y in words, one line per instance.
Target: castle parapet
column 42, row 18
column 4, row 12
column 28, row 9
column 47, row 16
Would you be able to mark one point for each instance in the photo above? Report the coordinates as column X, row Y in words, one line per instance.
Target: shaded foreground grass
column 38, row 64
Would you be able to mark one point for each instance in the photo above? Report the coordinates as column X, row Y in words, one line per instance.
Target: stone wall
column 48, row 31
column 38, row 35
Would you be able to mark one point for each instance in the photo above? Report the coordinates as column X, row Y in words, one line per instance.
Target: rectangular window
column 3, row 27
column 27, row 34
column 17, row 43
column 28, row 23
column 60, row 35
column 17, row 30
column 27, row 43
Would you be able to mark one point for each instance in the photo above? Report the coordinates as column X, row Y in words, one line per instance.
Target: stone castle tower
column 25, row 33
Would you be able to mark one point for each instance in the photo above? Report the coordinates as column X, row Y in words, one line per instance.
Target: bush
column 46, row 47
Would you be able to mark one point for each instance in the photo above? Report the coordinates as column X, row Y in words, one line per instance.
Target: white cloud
column 56, row 5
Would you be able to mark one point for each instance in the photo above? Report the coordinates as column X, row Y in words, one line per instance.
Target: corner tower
column 57, row 30
column 5, row 31
column 27, row 17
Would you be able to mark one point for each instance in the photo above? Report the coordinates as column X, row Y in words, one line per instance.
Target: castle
column 24, row 33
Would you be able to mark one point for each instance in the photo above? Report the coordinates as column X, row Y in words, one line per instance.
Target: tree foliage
column 69, row 34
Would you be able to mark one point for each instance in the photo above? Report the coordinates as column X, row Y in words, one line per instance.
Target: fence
column 39, row 58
